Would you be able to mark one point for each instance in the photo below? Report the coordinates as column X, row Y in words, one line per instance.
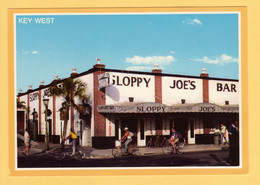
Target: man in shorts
column 174, row 139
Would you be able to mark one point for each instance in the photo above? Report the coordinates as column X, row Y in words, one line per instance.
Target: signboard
column 161, row 108
column 103, row 80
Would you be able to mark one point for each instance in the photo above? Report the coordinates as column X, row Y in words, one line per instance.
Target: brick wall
column 158, row 85
column 99, row 99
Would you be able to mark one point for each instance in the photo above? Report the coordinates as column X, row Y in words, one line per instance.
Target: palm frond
column 20, row 104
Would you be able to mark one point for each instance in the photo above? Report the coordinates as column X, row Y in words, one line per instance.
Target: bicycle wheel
column 117, row 152
column 149, row 144
column 59, row 153
column 79, row 154
column 163, row 142
column 167, row 148
column 180, row 148
column 135, row 151
column 156, row 142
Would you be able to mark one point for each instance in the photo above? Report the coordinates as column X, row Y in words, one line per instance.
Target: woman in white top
column 26, row 141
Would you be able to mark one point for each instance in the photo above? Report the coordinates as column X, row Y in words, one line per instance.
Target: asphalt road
column 213, row 158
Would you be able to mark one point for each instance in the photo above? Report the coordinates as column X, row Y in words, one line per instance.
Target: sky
column 183, row 44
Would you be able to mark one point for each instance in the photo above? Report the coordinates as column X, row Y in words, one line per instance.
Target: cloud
column 24, row 52
column 162, row 60
column 222, row 60
column 172, row 52
column 194, row 21
column 35, row 52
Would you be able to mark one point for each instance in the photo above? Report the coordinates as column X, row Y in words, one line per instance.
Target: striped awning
column 162, row 108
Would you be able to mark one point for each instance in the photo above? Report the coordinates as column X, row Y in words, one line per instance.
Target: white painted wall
column 89, row 81
column 189, row 89
column 87, row 132
column 34, row 102
column 24, row 98
column 59, row 101
column 218, row 94
column 50, row 106
column 121, row 90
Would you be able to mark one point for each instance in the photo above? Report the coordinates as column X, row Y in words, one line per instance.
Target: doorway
column 20, row 122
column 181, row 125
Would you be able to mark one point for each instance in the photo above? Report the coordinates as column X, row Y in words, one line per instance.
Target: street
column 210, row 158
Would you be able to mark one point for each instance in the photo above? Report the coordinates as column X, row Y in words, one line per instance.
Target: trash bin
column 216, row 139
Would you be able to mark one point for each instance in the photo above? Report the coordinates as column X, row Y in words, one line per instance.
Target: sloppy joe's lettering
column 183, row 84
column 150, row 109
column 226, row 87
column 130, row 81
column 207, row 109
column 47, row 93
column 34, row 96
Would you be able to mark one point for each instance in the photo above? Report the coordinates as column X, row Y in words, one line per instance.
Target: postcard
column 128, row 91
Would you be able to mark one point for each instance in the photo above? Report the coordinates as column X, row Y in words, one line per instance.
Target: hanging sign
column 103, row 80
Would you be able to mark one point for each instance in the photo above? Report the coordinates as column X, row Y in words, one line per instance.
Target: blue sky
column 179, row 43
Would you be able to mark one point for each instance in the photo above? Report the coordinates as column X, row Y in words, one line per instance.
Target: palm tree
column 68, row 89
column 20, row 104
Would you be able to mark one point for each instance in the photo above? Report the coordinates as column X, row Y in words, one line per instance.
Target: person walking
column 223, row 134
column 233, row 132
column 26, row 142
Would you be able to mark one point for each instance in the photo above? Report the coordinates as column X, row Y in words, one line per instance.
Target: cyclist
column 74, row 137
column 174, row 139
column 127, row 137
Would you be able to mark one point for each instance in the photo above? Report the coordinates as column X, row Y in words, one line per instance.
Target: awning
column 162, row 108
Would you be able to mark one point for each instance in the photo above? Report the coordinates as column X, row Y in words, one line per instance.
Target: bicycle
column 162, row 142
column 168, row 149
column 63, row 151
column 150, row 143
column 156, row 141
column 120, row 150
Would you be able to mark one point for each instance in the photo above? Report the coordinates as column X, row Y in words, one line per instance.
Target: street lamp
column 46, row 102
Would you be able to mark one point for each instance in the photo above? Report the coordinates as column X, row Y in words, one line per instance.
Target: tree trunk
column 65, row 125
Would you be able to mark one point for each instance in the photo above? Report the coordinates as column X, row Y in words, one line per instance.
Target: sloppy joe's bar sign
column 107, row 79
column 161, row 108
column 130, row 81
column 141, row 108
column 35, row 96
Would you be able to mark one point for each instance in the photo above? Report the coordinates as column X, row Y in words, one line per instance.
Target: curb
column 109, row 155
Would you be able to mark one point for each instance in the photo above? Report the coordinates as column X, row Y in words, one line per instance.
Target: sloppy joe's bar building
column 148, row 103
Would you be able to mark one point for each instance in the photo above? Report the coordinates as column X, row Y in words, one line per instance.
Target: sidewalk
column 91, row 153
column 145, row 151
